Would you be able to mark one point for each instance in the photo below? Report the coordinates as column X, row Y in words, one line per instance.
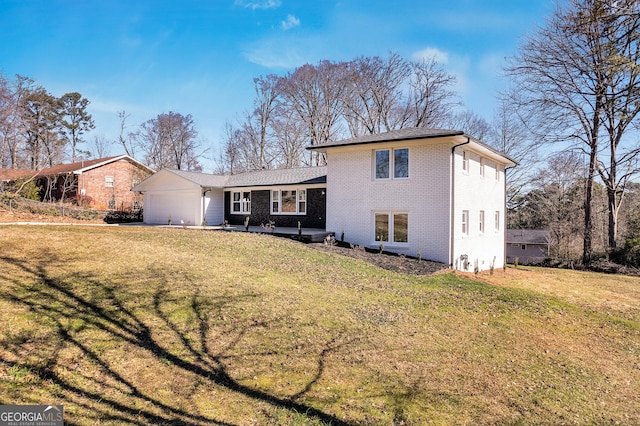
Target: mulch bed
column 389, row 261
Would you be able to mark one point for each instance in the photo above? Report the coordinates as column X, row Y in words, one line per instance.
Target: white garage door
column 178, row 206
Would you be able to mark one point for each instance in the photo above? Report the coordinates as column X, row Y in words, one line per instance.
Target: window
column 481, row 222
column 241, row 202
column 401, row 163
column 109, row 181
column 382, row 164
column 111, row 204
column 497, row 221
column 465, row 161
column 392, row 227
column 290, row 201
column 382, row 227
column 398, row 162
column 465, row 222
column 482, row 167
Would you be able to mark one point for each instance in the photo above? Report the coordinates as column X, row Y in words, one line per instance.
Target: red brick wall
column 125, row 176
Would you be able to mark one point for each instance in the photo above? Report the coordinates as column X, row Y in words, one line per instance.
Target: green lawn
column 133, row 325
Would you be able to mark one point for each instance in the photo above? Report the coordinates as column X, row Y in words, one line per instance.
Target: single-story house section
column 529, row 246
column 429, row 193
column 179, row 197
column 282, row 196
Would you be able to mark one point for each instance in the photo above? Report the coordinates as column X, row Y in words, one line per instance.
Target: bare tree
column 290, row 139
column 315, row 94
column 126, row 139
column 618, row 22
column 255, row 138
column 170, row 141
column 430, row 99
column 561, row 87
column 100, row 146
column 12, row 123
column 469, row 122
column 375, row 94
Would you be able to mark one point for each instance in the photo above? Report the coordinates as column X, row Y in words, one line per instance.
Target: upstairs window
column 497, row 220
column 482, row 167
column 465, row 161
column 388, row 161
column 241, row 202
column 481, row 223
column 109, row 181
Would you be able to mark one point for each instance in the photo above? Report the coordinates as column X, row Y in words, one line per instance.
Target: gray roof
column 301, row 175
column 528, row 236
column 394, row 135
column 205, row 180
column 405, row 134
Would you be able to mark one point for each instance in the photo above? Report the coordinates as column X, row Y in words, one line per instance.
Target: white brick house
column 436, row 194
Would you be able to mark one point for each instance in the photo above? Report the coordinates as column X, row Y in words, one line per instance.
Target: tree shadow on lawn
column 56, row 304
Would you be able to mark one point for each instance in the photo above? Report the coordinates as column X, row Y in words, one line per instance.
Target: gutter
column 452, row 199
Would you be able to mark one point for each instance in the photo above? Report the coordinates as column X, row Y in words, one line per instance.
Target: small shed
column 528, row 246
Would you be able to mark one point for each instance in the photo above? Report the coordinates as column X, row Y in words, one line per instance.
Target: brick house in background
column 101, row 184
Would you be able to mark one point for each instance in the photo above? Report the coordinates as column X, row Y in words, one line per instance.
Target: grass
column 137, row 325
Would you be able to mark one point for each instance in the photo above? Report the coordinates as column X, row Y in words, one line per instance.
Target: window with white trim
column 465, row 222
column 481, row 222
column 497, row 221
column 289, row 201
column 241, row 202
column 109, row 181
column 482, row 167
column 391, row 160
column 465, row 161
column 391, row 227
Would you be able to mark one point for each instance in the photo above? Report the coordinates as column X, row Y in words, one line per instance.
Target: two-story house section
column 429, row 193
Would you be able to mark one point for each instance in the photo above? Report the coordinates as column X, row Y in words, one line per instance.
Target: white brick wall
column 476, row 193
column 353, row 195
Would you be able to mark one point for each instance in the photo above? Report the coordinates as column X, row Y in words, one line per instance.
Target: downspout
column 504, row 219
column 452, row 200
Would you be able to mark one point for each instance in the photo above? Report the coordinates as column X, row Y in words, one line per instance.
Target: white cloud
column 432, row 53
column 275, row 54
column 291, row 22
column 259, row 4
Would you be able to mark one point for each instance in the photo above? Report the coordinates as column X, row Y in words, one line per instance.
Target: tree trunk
column 587, row 248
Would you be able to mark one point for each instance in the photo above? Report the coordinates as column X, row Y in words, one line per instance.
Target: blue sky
column 200, row 57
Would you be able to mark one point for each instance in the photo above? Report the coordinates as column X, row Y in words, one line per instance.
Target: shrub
column 629, row 254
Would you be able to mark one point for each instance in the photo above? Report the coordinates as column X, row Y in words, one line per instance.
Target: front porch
column 306, row 235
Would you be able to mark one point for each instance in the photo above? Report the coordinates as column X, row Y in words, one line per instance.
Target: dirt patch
column 389, row 261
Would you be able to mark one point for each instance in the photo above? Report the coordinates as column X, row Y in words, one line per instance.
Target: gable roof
column 300, row 175
column 7, row 175
column 394, row 135
column 205, row 180
column 413, row 133
column 528, row 236
column 80, row 167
